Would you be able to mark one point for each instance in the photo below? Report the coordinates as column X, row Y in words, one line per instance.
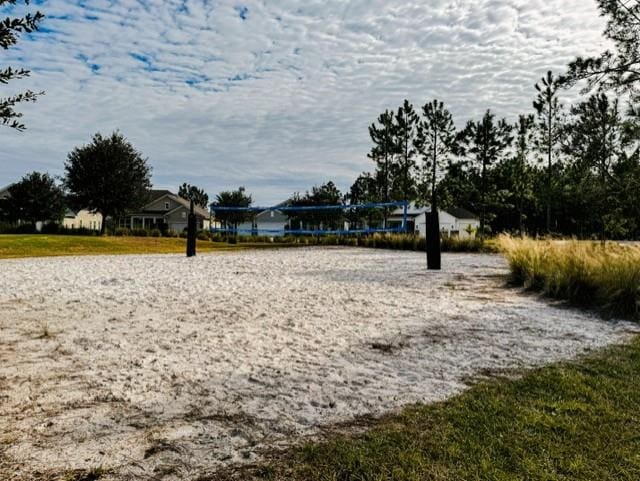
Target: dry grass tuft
column 605, row 277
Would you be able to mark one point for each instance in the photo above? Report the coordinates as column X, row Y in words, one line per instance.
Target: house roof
column 461, row 213
column 412, row 210
column 4, row 191
column 156, row 195
column 271, row 216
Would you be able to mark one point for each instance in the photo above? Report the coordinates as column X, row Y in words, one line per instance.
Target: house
column 83, row 219
column 165, row 211
column 4, row 191
column 273, row 223
column 453, row 222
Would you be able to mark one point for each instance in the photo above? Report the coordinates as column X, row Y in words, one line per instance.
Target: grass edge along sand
column 570, row 421
column 15, row 246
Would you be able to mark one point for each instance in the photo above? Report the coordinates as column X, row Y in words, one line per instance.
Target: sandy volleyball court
column 162, row 366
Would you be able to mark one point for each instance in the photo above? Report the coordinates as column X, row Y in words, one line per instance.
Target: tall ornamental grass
column 601, row 276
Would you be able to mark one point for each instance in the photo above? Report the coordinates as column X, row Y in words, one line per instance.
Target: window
column 184, row 215
column 166, row 206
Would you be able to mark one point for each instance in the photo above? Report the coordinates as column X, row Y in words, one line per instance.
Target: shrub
column 139, row 233
column 203, row 235
column 170, row 233
column 121, row 231
column 155, row 233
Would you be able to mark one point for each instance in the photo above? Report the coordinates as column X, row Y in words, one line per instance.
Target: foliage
column 35, row 198
column 197, row 195
column 235, row 198
column 108, row 176
column 10, row 30
column 604, row 277
column 435, row 141
column 325, row 195
column 594, row 141
column 484, row 142
column 550, row 130
column 403, row 184
column 620, row 69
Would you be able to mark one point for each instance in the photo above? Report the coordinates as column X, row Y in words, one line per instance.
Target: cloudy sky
column 275, row 95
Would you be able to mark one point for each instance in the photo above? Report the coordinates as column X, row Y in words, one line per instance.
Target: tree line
column 106, row 176
column 570, row 170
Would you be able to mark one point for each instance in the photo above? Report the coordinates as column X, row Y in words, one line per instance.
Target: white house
column 272, row 223
column 83, row 219
column 455, row 222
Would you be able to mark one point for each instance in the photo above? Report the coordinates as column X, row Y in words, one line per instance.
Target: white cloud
column 281, row 99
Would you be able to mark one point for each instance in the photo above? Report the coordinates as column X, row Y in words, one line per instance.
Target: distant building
column 4, row 191
column 271, row 223
column 83, row 219
column 455, row 222
column 165, row 210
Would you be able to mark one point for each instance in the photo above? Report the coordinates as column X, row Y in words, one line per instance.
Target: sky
column 273, row 95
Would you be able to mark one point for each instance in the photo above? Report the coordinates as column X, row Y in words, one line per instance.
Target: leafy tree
column 363, row 191
column 619, row 69
column 325, row 195
column 406, row 125
column 35, row 198
column 484, row 142
column 108, row 176
column 550, row 131
column 233, row 198
column 191, row 192
column 10, row 30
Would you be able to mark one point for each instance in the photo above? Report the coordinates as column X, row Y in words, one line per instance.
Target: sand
column 166, row 367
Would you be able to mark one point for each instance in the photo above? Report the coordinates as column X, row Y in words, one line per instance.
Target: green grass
column 590, row 274
column 575, row 421
column 35, row 245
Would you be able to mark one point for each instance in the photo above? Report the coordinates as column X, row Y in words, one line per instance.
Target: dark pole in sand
column 191, row 232
column 433, row 238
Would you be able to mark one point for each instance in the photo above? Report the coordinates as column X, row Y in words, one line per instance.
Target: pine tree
column 549, row 127
column 383, row 152
column 595, row 144
column 485, row 142
column 406, row 128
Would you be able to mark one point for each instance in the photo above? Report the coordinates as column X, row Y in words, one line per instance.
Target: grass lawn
column 572, row 421
column 36, row 245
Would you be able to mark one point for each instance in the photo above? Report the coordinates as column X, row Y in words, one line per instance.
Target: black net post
column 191, row 232
column 433, row 240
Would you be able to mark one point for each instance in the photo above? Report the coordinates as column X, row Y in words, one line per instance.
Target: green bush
column 155, row 233
column 139, row 233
